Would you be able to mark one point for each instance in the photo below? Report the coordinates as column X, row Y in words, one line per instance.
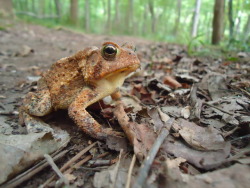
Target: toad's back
column 64, row 80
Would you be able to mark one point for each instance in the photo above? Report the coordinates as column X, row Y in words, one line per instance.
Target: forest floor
column 202, row 103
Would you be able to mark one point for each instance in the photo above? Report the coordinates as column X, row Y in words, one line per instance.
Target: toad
column 76, row 82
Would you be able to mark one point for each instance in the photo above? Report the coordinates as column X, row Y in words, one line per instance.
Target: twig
column 95, row 163
column 116, row 168
column 31, row 172
column 219, row 109
column 238, row 155
column 10, row 113
column 80, row 163
column 244, row 91
column 130, row 171
column 226, row 134
column 102, row 155
column 239, row 138
column 56, row 169
column 75, row 158
column 77, row 165
column 94, row 169
column 144, row 169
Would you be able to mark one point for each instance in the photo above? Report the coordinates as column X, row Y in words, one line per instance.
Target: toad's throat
column 124, row 71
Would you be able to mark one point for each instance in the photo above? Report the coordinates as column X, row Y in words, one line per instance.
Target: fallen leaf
column 173, row 111
column 185, row 112
column 117, row 143
column 140, row 135
column 202, row 159
column 236, row 176
column 130, row 102
column 70, row 177
column 202, row 138
column 216, row 85
column 186, row 78
column 173, row 83
column 25, row 51
column 112, row 176
column 21, row 151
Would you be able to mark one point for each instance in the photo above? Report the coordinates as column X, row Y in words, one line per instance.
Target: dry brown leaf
column 25, row 51
column 201, row 159
column 70, row 177
column 20, row 151
column 185, row 112
column 236, row 176
column 170, row 81
column 139, row 135
column 117, row 143
column 158, row 117
column 202, row 138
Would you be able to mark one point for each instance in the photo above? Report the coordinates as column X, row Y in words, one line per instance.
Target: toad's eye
column 109, row 51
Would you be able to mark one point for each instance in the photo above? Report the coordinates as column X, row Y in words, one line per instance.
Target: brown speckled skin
column 78, row 81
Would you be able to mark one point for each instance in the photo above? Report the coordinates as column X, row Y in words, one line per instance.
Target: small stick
column 244, row 91
column 56, row 169
column 76, row 157
column 31, row 172
column 95, row 163
column 94, row 169
column 238, row 155
column 241, row 137
column 10, row 113
column 77, row 165
column 102, row 155
column 72, row 160
column 116, row 168
column 144, row 169
column 80, row 163
column 226, row 134
column 218, row 109
column 130, row 171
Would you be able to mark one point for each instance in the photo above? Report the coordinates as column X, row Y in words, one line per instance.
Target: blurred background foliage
column 191, row 22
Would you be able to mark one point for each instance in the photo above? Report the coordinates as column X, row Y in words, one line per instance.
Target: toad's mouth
column 125, row 71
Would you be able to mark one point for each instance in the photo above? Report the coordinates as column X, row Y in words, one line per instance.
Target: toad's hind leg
column 35, row 104
column 84, row 120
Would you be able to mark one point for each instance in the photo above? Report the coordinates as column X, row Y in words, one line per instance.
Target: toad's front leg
column 84, row 120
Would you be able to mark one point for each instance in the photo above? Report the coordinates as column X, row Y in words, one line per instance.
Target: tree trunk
column 87, row 16
column 117, row 14
column 33, row 4
column 230, row 17
column 130, row 16
column 196, row 16
column 74, row 11
column 51, row 12
column 58, row 9
column 218, row 19
column 177, row 19
column 144, row 22
column 247, row 29
column 41, row 7
column 108, row 24
column 151, row 10
column 6, row 8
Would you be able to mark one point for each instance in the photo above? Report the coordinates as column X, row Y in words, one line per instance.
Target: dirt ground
column 27, row 50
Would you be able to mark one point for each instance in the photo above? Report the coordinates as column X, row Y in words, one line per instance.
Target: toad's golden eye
column 109, row 51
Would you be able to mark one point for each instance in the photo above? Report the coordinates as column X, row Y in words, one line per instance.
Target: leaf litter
column 205, row 99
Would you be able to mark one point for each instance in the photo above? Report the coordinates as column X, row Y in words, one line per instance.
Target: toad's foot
column 89, row 125
column 84, row 120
